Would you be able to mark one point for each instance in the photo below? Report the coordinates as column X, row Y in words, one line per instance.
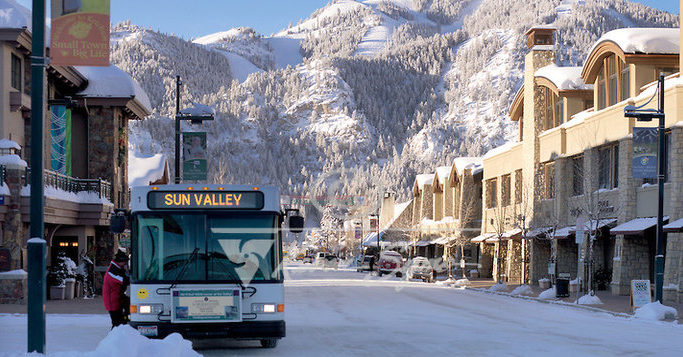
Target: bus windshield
column 218, row 247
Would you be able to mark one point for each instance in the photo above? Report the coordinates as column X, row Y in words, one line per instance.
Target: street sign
column 640, row 293
column 580, row 237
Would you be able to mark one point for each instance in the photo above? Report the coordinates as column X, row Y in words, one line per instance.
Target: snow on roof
column 499, row 150
column 442, row 173
column 398, row 210
column 463, row 163
column 542, row 27
column 143, row 170
column 14, row 15
column 199, row 109
column 424, row 179
column 646, row 40
column 578, row 118
column 112, row 82
column 9, row 144
column 564, row 78
column 635, row 226
column 675, row 226
column 12, row 160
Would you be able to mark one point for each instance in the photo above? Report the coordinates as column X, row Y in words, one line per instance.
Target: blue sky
column 202, row 17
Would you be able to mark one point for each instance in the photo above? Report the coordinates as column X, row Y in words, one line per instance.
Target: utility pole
column 37, row 245
column 178, row 83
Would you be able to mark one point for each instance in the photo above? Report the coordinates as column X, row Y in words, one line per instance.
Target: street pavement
column 611, row 303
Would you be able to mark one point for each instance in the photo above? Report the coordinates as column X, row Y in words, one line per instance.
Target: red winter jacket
column 114, row 287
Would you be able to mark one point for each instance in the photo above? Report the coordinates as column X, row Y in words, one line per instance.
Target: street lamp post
column 195, row 117
column 639, row 114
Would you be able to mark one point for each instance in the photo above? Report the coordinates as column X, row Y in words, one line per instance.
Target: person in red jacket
column 114, row 288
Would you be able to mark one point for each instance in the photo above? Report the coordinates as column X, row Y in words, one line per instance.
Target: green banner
column 60, row 139
column 194, row 156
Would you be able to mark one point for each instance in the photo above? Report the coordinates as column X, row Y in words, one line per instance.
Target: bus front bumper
column 248, row 330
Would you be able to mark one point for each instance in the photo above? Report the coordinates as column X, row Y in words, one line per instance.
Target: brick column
column 673, row 279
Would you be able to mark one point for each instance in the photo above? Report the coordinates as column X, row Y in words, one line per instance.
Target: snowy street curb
column 555, row 302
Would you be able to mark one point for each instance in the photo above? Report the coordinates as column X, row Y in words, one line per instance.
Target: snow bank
column 461, row 282
column 548, row 294
column 590, row 300
column 656, row 311
column 522, row 290
column 126, row 341
column 499, row 287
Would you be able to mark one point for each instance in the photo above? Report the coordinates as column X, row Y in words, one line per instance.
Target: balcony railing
column 70, row 184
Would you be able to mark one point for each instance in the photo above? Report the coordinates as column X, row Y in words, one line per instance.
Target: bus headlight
column 263, row 308
column 150, row 309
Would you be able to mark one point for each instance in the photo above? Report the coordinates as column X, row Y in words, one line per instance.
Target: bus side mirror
column 296, row 224
column 117, row 222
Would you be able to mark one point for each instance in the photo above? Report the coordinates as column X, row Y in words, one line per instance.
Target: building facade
column 580, row 179
column 84, row 156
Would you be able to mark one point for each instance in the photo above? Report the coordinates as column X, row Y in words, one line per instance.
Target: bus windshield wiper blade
column 192, row 257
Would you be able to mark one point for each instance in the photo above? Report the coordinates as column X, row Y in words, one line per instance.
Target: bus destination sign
column 205, row 200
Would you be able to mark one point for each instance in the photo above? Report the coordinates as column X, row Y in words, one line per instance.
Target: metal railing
column 70, row 184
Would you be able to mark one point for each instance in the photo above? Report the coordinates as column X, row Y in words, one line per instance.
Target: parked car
column 390, row 262
column 420, row 268
column 308, row 259
column 330, row 261
column 300, row 256
column 363, row 263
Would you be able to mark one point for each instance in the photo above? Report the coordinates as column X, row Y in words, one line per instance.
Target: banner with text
column 194, row 156
column 79, row 33
column 644, row 153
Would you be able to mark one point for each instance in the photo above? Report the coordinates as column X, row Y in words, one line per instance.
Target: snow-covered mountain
column 362, row 95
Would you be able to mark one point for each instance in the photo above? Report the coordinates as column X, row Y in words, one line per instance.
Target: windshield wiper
column 224, row 266
column 192, row 257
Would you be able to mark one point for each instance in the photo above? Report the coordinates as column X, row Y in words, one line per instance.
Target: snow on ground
column 345, row 313
column 374, row 40
column 241, row 67
column 287, row 51
column 656, row 311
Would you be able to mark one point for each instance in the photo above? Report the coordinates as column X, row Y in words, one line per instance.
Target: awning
column 481, row 238
column 636, row 226
column 537, row 232
column 513, row 234
column 589, row 226
column 422, row 243
column 371, row 239
column 675, row 226
column 442, row 240
column 564, row 232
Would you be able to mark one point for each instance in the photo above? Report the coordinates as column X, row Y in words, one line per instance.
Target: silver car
column 420, row 268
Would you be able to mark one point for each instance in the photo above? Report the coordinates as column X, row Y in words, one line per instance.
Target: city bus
column 206, row 261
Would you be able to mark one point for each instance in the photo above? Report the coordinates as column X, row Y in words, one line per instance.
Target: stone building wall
column 673, row 265
column 14, row 231
column 514, row 261
column 540, row 254
column 566, row 256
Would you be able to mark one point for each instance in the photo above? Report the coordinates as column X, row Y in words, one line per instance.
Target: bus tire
column 269, row 343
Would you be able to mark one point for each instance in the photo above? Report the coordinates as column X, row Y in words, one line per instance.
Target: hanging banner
column 79, row 33
column 644, row 153
column 194, row 156
column 60, row 139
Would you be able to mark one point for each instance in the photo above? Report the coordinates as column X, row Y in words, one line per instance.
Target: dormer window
column 613, row 82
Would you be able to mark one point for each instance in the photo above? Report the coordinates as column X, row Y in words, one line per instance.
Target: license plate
column 148, row 330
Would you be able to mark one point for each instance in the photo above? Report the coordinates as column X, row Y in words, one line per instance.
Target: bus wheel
column 269, row 343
